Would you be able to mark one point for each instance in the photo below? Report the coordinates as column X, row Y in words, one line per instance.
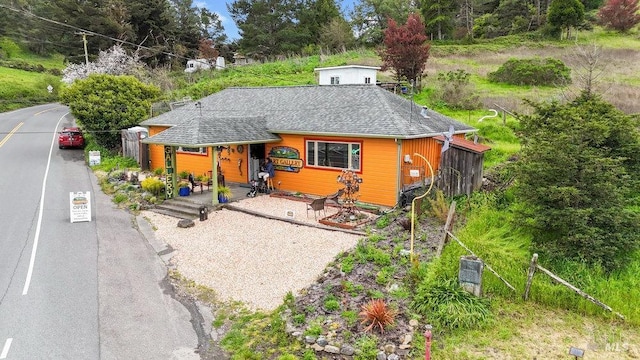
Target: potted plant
column 224, row 194
column 183, row 188
column 184, row 174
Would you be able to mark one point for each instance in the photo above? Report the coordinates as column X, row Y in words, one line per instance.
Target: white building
column 203, row 64
column 347, row 74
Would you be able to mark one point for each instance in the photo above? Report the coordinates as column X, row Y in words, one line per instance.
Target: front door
column 256, row 156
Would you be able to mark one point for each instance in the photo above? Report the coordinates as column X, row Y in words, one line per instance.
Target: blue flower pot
column 222, row 199
column 184, row 191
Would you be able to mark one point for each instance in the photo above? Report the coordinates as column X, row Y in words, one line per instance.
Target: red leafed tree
column 405, row 49
column 620, row 15
column 207, row 50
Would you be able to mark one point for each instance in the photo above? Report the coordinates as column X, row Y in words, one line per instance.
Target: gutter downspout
column 214, row 174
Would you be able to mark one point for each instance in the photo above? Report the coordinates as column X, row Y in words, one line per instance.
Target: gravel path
column 252, row 259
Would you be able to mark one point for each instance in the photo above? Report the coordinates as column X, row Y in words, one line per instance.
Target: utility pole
column 84, row 40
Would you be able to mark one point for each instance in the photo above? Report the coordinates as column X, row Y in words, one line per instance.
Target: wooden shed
column 460, row 170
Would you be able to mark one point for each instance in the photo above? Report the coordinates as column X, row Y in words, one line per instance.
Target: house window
column 190, row 65
column 335, row 80
column 367, row 80
column 337, row 155
column 192, row 150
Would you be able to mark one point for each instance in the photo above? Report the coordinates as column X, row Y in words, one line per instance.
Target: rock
column 393, row 357
column 322, row 341
column 381, row 356
column 310, row 339
column 347, row 350
column 394, row 287
column 186, row 223
column 296, row 334
column 402, row 352
column 405, row 252
column 389, row 348
column 413, row 322
column 317, row 347
column 407, row 339
column 405, row 346
column 332, row 349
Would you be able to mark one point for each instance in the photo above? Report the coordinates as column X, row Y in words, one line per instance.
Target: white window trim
column 315, row 154
column 203, row 151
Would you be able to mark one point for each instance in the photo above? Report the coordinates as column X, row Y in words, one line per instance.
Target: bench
column 201, row 184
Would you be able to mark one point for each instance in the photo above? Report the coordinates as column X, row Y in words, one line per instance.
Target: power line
column 89, row 32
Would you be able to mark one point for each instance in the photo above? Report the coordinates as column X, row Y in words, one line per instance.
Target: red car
column 70, row 137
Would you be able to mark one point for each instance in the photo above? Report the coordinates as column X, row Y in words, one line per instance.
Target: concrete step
column 177, row 215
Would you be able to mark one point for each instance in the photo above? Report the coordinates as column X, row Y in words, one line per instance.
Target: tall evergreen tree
column 314, row 15
column 267, row 27
column 575, row 177
column 565, row 14
column 439, row 17
column 369, row 17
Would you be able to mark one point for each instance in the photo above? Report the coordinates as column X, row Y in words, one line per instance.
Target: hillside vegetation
column 554, row 318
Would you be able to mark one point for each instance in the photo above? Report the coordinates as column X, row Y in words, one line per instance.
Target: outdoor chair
column 335, row 197
column 317, row 205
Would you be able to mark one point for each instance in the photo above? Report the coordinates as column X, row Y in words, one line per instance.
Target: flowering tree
column 620, row 15
column 114, row 61
column 405, row 49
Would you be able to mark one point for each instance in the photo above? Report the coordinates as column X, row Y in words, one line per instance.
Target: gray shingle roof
column 342, row 110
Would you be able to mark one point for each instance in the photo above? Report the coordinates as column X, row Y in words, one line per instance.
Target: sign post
column 80, row 206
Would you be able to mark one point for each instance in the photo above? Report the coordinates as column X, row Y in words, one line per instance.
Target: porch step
column 180, row 208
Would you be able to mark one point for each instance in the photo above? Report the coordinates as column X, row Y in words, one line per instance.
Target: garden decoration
column 351, row 183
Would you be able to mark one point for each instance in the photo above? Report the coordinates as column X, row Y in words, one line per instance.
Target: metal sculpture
column 351, row 182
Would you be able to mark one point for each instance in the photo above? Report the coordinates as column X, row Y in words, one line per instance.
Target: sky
column 220, row 7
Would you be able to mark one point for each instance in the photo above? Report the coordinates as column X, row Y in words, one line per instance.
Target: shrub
column 118, row 198
column 438, row 206
column 536, row 71
column 383, row 222
column 331, row 303
column 449, row 306
column 457, row 91
column 377, row 315
column 153, row 185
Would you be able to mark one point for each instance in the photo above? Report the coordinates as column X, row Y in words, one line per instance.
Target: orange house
column 312, row 134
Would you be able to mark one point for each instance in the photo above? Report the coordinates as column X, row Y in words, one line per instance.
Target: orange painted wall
column 379, row 159
column 427, row 147
column 201, row 164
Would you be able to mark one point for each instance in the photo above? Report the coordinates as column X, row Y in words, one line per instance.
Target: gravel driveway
column 249, row 258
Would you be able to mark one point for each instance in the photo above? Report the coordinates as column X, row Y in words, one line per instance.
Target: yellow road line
column 6, row 138
column 44, row 111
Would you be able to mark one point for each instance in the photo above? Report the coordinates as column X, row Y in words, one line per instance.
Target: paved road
column 84, row 290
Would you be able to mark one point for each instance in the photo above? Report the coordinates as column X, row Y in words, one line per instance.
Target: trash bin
column 204, row 213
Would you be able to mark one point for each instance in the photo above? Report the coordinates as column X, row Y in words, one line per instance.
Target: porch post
column 170, row 186
column 214, row 174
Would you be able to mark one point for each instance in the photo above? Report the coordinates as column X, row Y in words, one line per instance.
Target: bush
column 153, row 185
column 457, row 91
column 449, row 306
column 548, row 72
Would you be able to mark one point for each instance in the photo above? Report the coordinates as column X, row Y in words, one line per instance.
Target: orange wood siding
column 379, row 159
column 427, row 147
column 201, row 164
column 156, row 152
column 380, row 168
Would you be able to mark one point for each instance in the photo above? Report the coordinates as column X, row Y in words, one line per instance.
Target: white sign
column 94, row 158
column 414, row 173
column 80, row 209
